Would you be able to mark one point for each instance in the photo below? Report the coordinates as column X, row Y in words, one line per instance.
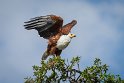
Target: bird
column 51, row 27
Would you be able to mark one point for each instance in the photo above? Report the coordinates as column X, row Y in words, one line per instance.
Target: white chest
column 63, row 42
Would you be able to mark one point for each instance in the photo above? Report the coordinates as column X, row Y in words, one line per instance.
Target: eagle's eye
column 71, row 34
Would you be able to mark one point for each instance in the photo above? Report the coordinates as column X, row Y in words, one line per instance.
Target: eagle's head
column 71, row 35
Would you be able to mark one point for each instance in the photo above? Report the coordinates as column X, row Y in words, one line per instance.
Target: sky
column 100, row 34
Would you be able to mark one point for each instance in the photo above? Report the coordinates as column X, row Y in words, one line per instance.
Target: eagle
column 51, row 27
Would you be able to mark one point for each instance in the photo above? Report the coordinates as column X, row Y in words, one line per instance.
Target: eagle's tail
column 45, row 55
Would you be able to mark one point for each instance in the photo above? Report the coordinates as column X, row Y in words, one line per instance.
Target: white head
column 71, row 35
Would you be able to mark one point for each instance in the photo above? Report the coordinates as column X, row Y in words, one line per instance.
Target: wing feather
column 46, row 26
column 67, row 28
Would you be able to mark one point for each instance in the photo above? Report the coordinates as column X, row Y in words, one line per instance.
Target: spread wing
column 46, row 26
column 67, row 28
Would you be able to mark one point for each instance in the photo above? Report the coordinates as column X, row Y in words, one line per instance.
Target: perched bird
column 51, row 27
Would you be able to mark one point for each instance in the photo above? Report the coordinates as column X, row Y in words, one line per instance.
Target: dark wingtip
column 29, row 28
column 74, row 21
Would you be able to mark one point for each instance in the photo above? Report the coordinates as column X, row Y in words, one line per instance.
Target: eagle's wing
column 46, row 26
column 67, row 28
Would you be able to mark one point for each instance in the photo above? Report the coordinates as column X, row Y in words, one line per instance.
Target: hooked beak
column 73, row 35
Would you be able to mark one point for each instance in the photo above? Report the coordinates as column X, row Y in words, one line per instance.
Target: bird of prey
column 51, row 27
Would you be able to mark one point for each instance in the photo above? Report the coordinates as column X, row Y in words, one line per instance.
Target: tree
column 58, row 70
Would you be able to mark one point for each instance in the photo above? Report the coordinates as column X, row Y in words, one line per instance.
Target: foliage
column 57, row 70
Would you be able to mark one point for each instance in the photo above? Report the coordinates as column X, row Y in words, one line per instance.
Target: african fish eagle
column 51, row 27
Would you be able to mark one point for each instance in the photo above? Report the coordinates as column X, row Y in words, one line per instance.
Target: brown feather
column 67, row 28
column 58, row 52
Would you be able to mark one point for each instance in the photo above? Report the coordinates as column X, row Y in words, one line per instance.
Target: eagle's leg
column 58, row 52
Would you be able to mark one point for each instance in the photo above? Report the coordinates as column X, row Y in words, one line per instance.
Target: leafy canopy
column 57, row 70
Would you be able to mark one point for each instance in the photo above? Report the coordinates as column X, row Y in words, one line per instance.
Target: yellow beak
column 72, row 35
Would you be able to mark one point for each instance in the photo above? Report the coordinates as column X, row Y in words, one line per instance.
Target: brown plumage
column 50, row 27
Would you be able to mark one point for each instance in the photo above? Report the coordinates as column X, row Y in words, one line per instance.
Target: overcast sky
column 100, row 34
